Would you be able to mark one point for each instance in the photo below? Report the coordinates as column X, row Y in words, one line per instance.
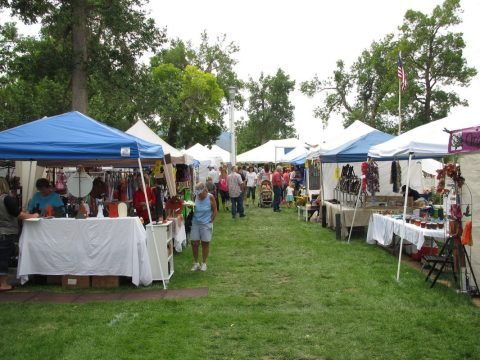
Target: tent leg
column 151, row 223
column 355, row 211
column 321, row 182
column 402, row 233
column 28, row 185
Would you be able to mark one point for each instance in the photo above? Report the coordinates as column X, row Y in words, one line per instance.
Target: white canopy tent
column 202, row 153
column 219, row 152
column 429, row 140
column 204, row 157
column 354, row 131
column 172, row 155
column 270, row 152
column 299, row 151
column 142, row 131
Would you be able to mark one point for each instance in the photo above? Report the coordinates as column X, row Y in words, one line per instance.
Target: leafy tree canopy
column 433, row 61
column 270, row 112
column 118, row 33
column 188, row 105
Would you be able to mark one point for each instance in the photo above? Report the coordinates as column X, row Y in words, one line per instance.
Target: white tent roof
column 218, row 151
column 297, row 152
column 353, row 132
column 202, row 153
column 270, row 152
column 426, row 140
column 142, row 131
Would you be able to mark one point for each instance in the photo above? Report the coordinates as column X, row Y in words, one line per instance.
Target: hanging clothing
column 396, row 176
column 364, row 169
column 373, row 182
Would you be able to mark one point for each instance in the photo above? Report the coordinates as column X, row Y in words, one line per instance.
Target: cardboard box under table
column 85, row 247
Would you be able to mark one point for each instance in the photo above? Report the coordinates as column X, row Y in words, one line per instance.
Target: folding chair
column 444, row 258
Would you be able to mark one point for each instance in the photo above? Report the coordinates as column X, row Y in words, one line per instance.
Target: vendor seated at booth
column 413, row 193
column 141, row 206
column 44, row 197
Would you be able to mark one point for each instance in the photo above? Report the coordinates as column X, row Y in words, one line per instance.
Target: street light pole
column 233, row 148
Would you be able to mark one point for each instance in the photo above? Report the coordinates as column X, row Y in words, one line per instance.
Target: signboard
column 464, row 140
column 157, row 170
column 125, row 151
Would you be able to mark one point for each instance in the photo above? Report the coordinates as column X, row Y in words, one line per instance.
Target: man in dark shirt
column 10, row 213
column 413, row 193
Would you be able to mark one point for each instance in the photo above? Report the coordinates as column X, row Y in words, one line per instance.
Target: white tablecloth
column 94, row 246
column 179, row 234
column 381, row 229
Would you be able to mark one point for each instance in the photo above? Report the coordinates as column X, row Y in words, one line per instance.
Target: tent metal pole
column 307, row 180
column 355, row 210
column 28, row 184
column 151, row 225
column 402, row 233
column 321, row 181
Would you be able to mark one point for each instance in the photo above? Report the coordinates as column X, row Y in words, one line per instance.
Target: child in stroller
column 266, row 196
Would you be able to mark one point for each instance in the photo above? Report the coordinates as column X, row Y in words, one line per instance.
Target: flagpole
column 399, row 100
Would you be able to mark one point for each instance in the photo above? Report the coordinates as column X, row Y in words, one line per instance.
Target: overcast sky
column 305, row 38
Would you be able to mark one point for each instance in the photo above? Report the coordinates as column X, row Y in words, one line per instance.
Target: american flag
column 401, row 74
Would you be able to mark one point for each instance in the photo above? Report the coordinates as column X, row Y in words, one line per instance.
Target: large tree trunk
column 79, row 76
column 172, row 137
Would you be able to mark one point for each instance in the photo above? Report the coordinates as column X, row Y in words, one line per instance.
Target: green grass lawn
column 278, row 289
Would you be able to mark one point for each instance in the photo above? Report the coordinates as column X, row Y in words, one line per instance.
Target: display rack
column 160, row 250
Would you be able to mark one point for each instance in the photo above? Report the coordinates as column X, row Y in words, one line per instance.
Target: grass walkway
column 278, row 289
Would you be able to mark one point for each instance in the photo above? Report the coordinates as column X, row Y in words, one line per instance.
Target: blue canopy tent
column 73, row 138
column 356, row 150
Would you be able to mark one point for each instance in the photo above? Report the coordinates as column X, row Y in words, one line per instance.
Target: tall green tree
column 360, row 93
column 101, row 42
column 33, row 78
column 433, row 61
column 216, row 58
column 434, row 56
column 270, row 112
column 188, row 105
column 185, row 118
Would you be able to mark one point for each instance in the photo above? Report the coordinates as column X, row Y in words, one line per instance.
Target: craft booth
column 84, row 249
column 449, row 226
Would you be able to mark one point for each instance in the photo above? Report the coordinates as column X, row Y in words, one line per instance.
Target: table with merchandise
column 381, row 229
column 92, row 246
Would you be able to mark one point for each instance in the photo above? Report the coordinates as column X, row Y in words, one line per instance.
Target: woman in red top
column 139, row 199
column 223, row 187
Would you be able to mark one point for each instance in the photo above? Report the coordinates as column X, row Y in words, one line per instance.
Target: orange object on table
column 467, row 234
column 49, row 211
column 113, row 210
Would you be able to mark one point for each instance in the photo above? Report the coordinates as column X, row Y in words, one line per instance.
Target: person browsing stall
column 235, row 190
column 251, row 184
column 223, row 187
column 215, row 175
column 44, row 197
column 277, row 182
column 10, row 213
column 202, row 224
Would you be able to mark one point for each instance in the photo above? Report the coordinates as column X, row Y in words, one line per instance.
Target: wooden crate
column 105, row 281
column 75, row 282
column 54, row 279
